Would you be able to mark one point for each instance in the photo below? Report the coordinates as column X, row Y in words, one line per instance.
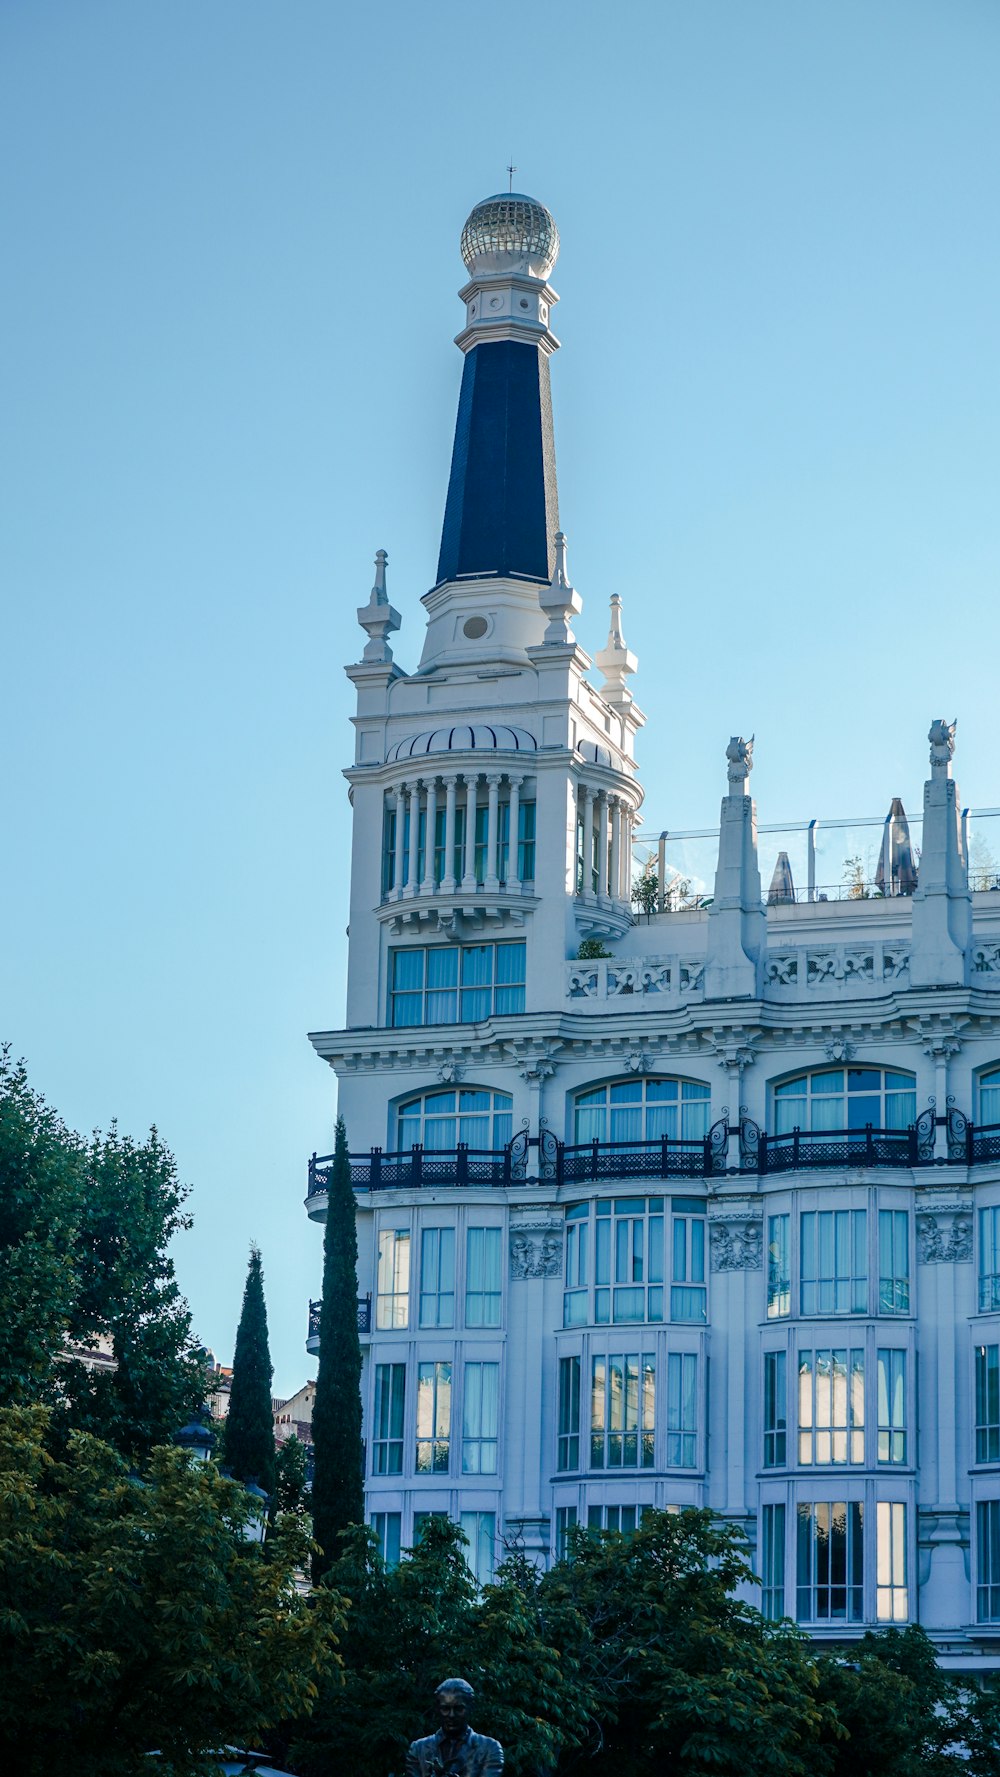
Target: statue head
column 455, row 1698
column 942, row 738
column 739, row 755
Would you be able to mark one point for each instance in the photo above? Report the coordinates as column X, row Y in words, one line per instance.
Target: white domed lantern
column 510, row 232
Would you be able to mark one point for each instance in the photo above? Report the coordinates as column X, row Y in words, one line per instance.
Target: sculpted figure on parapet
column 454, row 1750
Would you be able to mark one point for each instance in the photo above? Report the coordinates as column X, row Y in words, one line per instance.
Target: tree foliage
column 85, row 1229
column 681, row 1676
column 135, row 1617
column 413, row 1625
column 248, row 1439
column 291, row 1476
column 338, row 1485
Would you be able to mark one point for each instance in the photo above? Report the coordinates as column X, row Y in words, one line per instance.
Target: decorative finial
column 740, row 756
column 615, row 660
column 511, row 170
column 941, row 735
column 378, row 617
column 560, row 600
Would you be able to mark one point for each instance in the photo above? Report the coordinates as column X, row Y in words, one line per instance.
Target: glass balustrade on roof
column 815, row 860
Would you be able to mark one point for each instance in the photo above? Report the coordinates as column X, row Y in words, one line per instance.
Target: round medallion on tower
column 510, row 232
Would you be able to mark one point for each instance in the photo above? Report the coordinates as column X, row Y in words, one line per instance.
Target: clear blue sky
column 230, row 233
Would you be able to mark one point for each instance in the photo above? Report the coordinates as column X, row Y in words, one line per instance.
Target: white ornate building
column 711, row 1218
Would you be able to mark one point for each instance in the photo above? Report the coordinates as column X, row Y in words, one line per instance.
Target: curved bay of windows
column 631, row 1259
column 846, row 1098
column 438, row 1121
column 642, row 1110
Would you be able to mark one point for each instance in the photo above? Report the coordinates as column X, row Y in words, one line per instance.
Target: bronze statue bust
column 454, row 1751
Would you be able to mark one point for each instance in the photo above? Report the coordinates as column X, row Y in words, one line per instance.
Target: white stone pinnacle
column 615, row 660
column 378, row 617
column 560, row 601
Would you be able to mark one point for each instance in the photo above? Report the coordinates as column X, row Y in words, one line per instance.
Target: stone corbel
column 536, row 1062
column 733, row 1056
column 940, row 1042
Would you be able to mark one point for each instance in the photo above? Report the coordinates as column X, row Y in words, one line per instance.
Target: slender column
column 428, row 885
column 626, row 878
column 616, row 848
column 448, row 879
column 397, row 871
column 412, row 885
column 469, row 874
column 514, row 821
column 602, row 845
column 588, row 840
column 492, row 878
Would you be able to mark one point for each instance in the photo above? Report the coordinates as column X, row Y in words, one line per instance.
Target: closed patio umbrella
column 782, row 886
column 897, row 870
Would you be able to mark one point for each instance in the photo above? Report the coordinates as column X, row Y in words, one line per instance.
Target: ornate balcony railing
column 662, row 1158
column 364, row 1316
column 806, row 1149
column 545, row 1160
column 983, row 1142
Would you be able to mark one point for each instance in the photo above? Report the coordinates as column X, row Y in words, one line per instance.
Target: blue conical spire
column 502, row 511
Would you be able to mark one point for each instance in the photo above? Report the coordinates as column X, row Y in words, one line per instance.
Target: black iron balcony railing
column 364, row 1316
column 663, row 1158
column 545, row 1160
column 805, row 1149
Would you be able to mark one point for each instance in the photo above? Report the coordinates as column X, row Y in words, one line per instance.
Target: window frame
column 497, row 1119
column 439, row 1439
column 499, row 988
column 780, row 1094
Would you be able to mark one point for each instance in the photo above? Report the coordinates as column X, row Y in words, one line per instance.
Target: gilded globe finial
column 510, row 232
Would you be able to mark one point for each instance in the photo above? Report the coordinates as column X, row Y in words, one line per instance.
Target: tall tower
column 494, row 794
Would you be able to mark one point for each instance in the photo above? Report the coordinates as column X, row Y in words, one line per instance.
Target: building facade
column 671, row 1192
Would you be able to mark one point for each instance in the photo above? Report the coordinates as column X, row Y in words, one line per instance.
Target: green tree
column 898, row 1714
column 338, row 1483
column 291, row 1487
column 41, row 1167
column 682, row 1677
column 135, row 1617
column 84, row 1235
column 409, row 1627
column 248, row 1440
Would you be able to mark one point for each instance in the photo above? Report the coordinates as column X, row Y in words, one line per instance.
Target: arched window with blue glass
column 641, row 1110
column 841, row 1098
column 475, row 1116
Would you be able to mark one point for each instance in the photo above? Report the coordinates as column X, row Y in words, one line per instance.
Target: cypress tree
column 249, row 1435
column 338, row 1484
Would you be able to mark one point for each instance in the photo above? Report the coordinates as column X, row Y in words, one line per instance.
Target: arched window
column 846, row 1098
column 643, row 1110
column 989, row 1096
column 474, row 1115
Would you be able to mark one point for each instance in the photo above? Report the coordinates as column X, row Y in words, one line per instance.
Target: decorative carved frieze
column 944, row 1229
column 985, row 961
column 536, row 1246
column 836, row 968
column 614, row 979
column 736, row 1234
